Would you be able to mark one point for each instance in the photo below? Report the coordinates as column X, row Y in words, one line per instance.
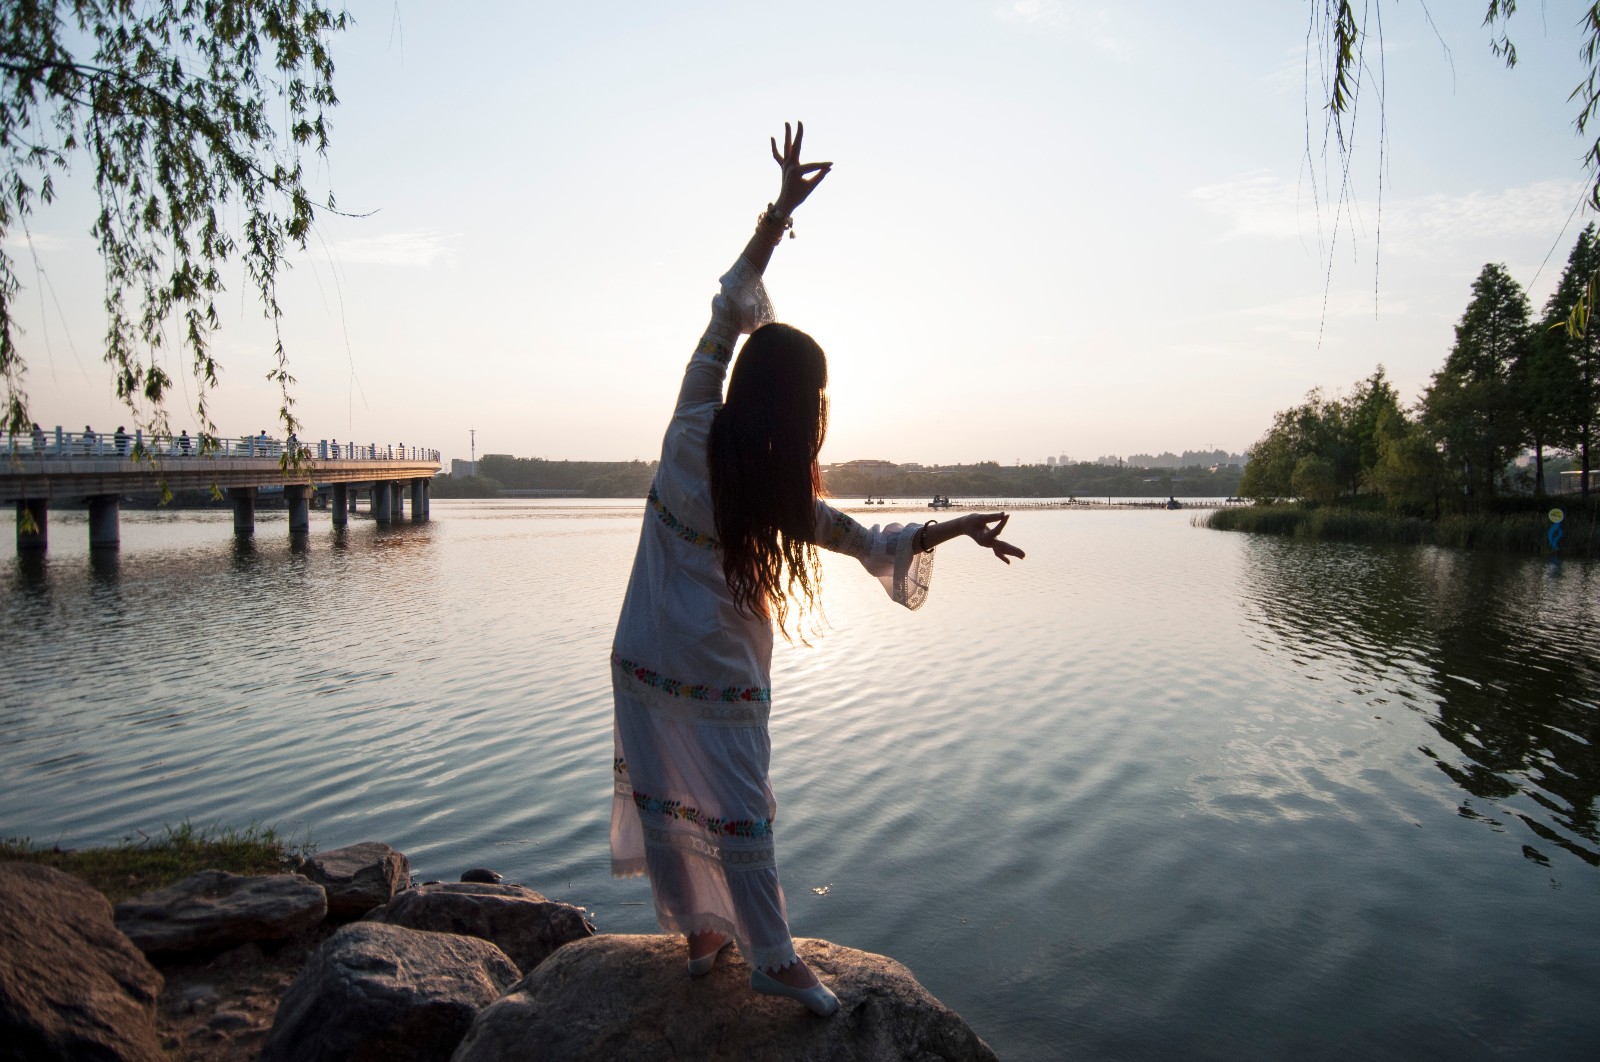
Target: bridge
column 100, row 468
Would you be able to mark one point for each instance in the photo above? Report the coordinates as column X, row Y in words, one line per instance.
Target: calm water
column 1155, row 792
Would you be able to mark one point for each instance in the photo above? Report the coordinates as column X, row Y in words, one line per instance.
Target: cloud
column 1091, row 25
column 412, row 250
column 1260, row 204
column 1257, row 204
column 41, row 242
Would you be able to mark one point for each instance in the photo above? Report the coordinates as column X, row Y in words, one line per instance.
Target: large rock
column 213, row 910
column 71, row 986
column 613, row 997
column 522, row 923
column 358, row 877
column 386, row 993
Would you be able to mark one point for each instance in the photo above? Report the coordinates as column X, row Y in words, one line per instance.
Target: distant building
column 1050, row 462
column 880, row 467
column 460, row 469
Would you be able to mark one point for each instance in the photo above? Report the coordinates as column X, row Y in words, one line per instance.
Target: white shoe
column 702, row 966
column 818, row 998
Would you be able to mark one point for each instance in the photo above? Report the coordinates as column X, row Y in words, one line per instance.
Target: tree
column 172, row 105
column 1341, row 433
column 1470, row 405
column 1570, row 359
column 1409, row 472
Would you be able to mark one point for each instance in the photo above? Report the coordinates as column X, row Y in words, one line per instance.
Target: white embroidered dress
column 692, row 804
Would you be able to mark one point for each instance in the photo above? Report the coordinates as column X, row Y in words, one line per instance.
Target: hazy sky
column 1052, row 227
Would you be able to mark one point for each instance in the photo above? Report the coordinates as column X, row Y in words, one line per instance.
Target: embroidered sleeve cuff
column 742, row 303
column 913, row 570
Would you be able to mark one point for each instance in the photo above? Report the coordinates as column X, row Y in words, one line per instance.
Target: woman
column 728, row 548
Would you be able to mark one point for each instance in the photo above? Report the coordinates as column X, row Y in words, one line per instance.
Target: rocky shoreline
column 346, row 958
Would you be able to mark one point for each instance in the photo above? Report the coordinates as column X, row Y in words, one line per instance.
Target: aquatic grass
column 1520, row 528
column 143, row 861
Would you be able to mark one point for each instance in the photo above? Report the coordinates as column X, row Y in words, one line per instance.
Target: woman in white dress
column 727, row 550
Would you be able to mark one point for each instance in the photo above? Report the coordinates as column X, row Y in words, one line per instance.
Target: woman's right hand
column 799, row 179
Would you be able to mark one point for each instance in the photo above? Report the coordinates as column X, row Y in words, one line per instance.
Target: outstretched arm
column 799, row 179
column 975, row 525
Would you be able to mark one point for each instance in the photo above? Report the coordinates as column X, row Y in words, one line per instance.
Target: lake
column 1155, row 792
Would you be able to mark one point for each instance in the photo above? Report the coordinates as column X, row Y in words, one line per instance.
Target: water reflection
column 105, row 564
column 1493, row 651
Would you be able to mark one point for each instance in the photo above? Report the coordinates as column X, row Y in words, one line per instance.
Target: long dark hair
column 764, row 473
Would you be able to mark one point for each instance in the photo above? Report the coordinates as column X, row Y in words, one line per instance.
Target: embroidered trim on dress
column 695, row 692
column 715, row 347
column 846, row 535
column 913, row 571
column 744, row 858
column 677, row 809
column 678, row 527
column 697, row 705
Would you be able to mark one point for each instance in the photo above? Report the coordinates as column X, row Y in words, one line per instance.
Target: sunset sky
column 1052, row 227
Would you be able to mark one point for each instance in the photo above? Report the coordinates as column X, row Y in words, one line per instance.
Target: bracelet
column 770, row 216
column 925, row 547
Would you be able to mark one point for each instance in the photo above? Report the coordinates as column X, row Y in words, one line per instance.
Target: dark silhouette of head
column 764, row 474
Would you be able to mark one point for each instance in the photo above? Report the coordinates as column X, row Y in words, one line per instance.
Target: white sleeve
column 885, row 552
column 740, row 306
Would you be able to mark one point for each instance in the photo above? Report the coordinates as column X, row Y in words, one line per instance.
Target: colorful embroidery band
column 714, row 347
column 678, row 527
column 691, row 691
column 677, row 809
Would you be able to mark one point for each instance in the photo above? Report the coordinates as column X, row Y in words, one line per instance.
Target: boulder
column 213, row 910
column 482, row 875
column 381, row 992
column 611, row 997
column 358, row 877
column 71, row 985
column 522, row 923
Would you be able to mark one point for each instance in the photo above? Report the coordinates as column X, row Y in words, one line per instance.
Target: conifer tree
column 1570, row 360
column 1471, row 406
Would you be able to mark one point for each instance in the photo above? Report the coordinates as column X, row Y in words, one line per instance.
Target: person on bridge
column 727, row 551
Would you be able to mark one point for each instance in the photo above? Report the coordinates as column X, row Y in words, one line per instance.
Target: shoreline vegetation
column 1524, row 530
column 143, row 862
column 873, row 479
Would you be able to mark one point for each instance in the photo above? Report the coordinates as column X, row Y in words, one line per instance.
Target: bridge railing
column 121, row 445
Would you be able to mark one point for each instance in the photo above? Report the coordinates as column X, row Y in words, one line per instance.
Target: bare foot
column 798, row 975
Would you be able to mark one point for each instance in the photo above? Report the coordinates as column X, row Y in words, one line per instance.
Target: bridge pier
column 419, row 499
column 380, row 502
column 397, row 499
column 103, row 514
column 244, row 510
column 354, row 492
column 341, row 505
column 298, row 495
column 37, row 539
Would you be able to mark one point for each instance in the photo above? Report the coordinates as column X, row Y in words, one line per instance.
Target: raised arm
column 742, row 305
column 799, row 179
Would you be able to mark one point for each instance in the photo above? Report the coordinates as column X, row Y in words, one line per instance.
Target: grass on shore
column 1515, row 532
column 143, row 862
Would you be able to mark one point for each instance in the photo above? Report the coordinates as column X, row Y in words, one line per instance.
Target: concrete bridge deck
column 99, row 470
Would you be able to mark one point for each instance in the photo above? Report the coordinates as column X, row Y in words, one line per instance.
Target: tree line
column 1512, row 384
column 983, row 479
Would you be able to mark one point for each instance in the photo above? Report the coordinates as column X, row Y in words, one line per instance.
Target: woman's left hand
column 798, row 179
column 985, row 530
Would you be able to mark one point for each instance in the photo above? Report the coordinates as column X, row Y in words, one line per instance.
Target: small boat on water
column 939, row 502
